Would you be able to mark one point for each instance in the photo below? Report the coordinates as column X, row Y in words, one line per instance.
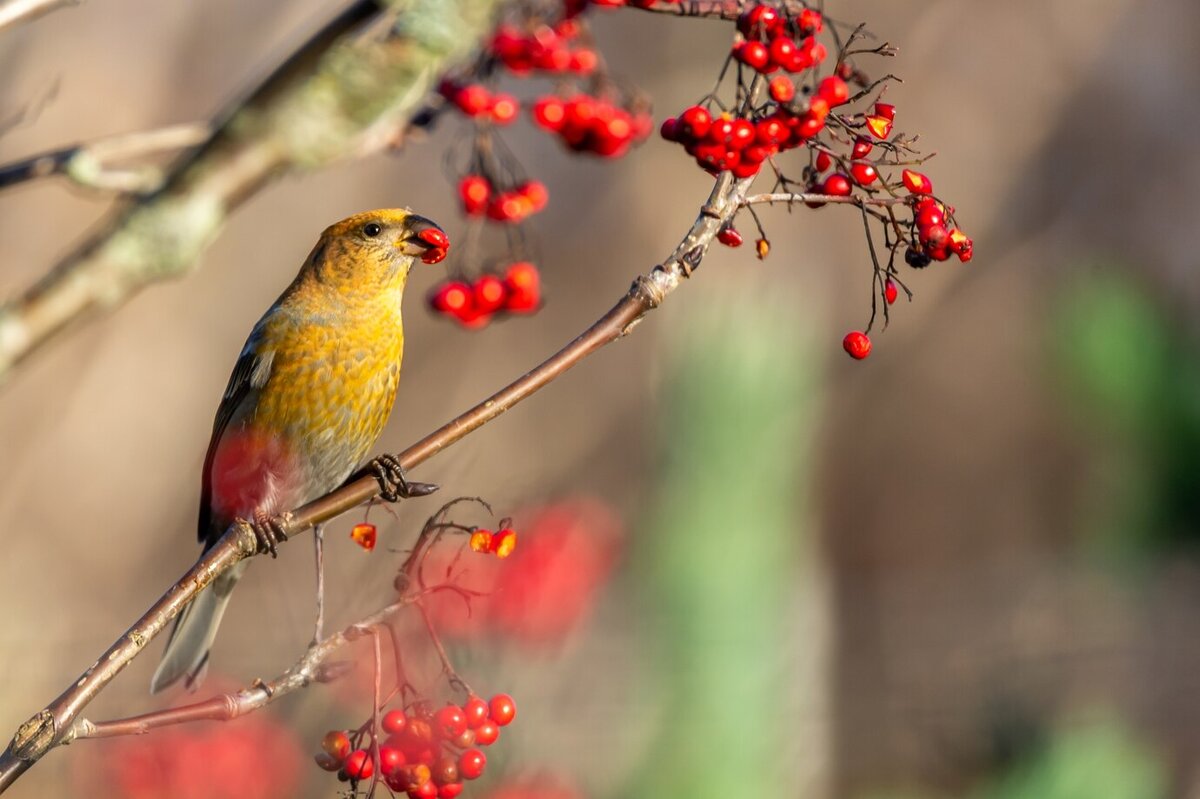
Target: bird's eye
column 372, row 230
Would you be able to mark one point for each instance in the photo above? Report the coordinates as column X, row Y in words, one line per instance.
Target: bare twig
column 343, row 94
column 14, row 12
column 46, row 728
column 90, row 165
column 226, row 707
column 791, row 198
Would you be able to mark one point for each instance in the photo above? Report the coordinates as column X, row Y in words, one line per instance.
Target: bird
column 308, row 398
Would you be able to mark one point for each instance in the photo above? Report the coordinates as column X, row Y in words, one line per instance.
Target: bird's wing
column 250, row 373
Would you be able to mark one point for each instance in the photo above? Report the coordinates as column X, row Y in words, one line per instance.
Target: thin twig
column 791, row 198
column 226, row 707
column 90, row 164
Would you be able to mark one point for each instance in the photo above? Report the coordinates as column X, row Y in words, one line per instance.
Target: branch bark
column 49, row 727
column 343, row 94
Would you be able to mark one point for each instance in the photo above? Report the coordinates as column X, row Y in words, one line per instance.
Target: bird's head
column 376, row 249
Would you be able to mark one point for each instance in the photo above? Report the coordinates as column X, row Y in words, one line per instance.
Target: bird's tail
column 186, row 654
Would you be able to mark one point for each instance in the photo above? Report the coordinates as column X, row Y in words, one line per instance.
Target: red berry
column 474, row 191
column 890, row 292
column 754, row 55
column 742, row 134
column 364, row 534
column 862, row 146
column 695, row 121
column 823, row 161
column 729, row 236
column 880, row 127
column 450, row 722
column 864, row 173
column 782, row 50
column 489, row 292
column 549, row 112
column 810, row 21
column 535, row 191
column 584, row 61
column 782, row 89
column 834, row 90
column 487, row 733
column 337, row 744
column 503, row 709
column 524, row 289
column 473, row 100
column 394, row 722
column 391, row 758
column 453, row 297
column 476, row 711
column 770, row 131
column 886, row 110
column 450, row 791
column 481, row 541
column 426, row 790
column 929, row 215
column 504, row 109
column 837, row 185
column 504, row 542
column 933, row 236
column 359, row 765
column 471, row 764
column 671, row 130
column 759, row 20
column 916, row 183
column 857, row 345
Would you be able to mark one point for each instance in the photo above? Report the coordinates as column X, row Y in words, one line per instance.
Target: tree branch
column 48, row 727
column 343, row 94
column 791, row 198
column 14, row 12
column 229, row 706
column 88, row 164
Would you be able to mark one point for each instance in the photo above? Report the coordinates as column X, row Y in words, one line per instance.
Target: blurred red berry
column 503, row 709
column 857, row 345
column 471, row 764
column 364, row 534
column 476, row 710
column 359, row 765
column 890, row 292
column 450, row 722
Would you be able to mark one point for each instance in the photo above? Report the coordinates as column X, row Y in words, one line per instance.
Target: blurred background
column 964, row 567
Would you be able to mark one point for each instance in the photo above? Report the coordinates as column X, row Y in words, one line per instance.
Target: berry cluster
column 595, row 125
column 473, row 304
column 428, row 753
column 741, row 145
column 588, row 111
column 554, row 49
column 478, row 102
column 784, row 101
column 501, row 543
column 480, row 196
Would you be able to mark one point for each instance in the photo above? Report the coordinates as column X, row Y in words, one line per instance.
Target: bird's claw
column 269, row 532
column 393, row 486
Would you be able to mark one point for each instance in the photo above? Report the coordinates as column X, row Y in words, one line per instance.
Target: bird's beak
column 424, row 239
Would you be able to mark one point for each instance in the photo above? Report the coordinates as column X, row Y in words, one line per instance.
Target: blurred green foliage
column 718, row 563
column 1132, row 374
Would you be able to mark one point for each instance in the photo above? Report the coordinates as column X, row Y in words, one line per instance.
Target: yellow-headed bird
column 308, row 398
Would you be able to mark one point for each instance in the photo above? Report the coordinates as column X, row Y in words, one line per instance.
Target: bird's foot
column 269, row 532
column 392, row 484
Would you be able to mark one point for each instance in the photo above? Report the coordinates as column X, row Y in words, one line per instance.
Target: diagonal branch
column 89, row 164
column 226, row 707
column 48, row 727
column 343, row 94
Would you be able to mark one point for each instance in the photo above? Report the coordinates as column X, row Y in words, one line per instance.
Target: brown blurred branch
column 229, row 706
column 343, row 94
column 14, row 12
column 47, row 728
column 90, row 164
